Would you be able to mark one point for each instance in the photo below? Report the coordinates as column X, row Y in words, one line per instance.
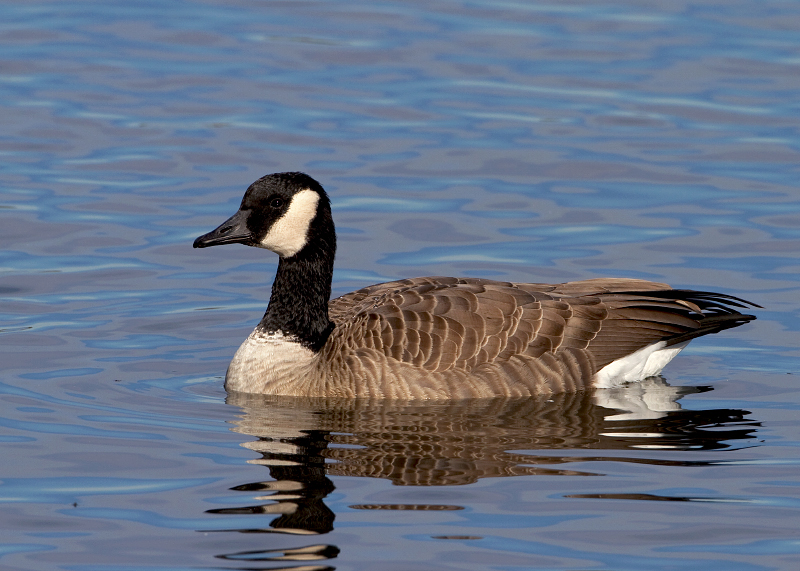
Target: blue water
column 519, row 141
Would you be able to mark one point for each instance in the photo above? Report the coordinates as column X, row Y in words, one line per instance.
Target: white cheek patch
column 289, row 233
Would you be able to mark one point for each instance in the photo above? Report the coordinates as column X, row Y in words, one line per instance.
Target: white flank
column 289, row 234
column 265, row 362
column 646, row 362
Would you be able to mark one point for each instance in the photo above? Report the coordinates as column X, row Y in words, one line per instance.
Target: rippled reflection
column 304, row 441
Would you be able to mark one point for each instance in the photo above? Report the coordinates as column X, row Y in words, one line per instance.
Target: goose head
column 287, row 213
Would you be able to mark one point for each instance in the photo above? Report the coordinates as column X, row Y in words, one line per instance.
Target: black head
column 282, row 212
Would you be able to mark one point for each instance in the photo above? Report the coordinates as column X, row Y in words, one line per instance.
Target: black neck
column 298, row 306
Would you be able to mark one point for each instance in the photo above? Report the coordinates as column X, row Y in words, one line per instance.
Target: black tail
column 718, row 311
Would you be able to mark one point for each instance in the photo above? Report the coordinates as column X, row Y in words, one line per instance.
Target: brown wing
column 444, row 323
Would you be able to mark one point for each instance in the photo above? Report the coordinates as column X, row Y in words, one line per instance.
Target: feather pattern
column 429, row 334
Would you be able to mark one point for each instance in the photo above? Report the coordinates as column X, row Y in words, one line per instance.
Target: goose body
column 442, row 337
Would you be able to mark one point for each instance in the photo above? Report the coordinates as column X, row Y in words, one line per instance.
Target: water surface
column 518, row 141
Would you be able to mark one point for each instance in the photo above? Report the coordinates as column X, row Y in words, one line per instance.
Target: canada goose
column 439, row 337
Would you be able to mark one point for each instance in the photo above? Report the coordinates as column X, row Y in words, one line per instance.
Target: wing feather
column 442, row 323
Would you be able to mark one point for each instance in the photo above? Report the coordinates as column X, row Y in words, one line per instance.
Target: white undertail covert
column 646, row 362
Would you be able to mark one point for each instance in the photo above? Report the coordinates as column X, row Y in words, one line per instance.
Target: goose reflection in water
column 304, row 441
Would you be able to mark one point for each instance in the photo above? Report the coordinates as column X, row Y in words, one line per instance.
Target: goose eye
column 276, row 202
